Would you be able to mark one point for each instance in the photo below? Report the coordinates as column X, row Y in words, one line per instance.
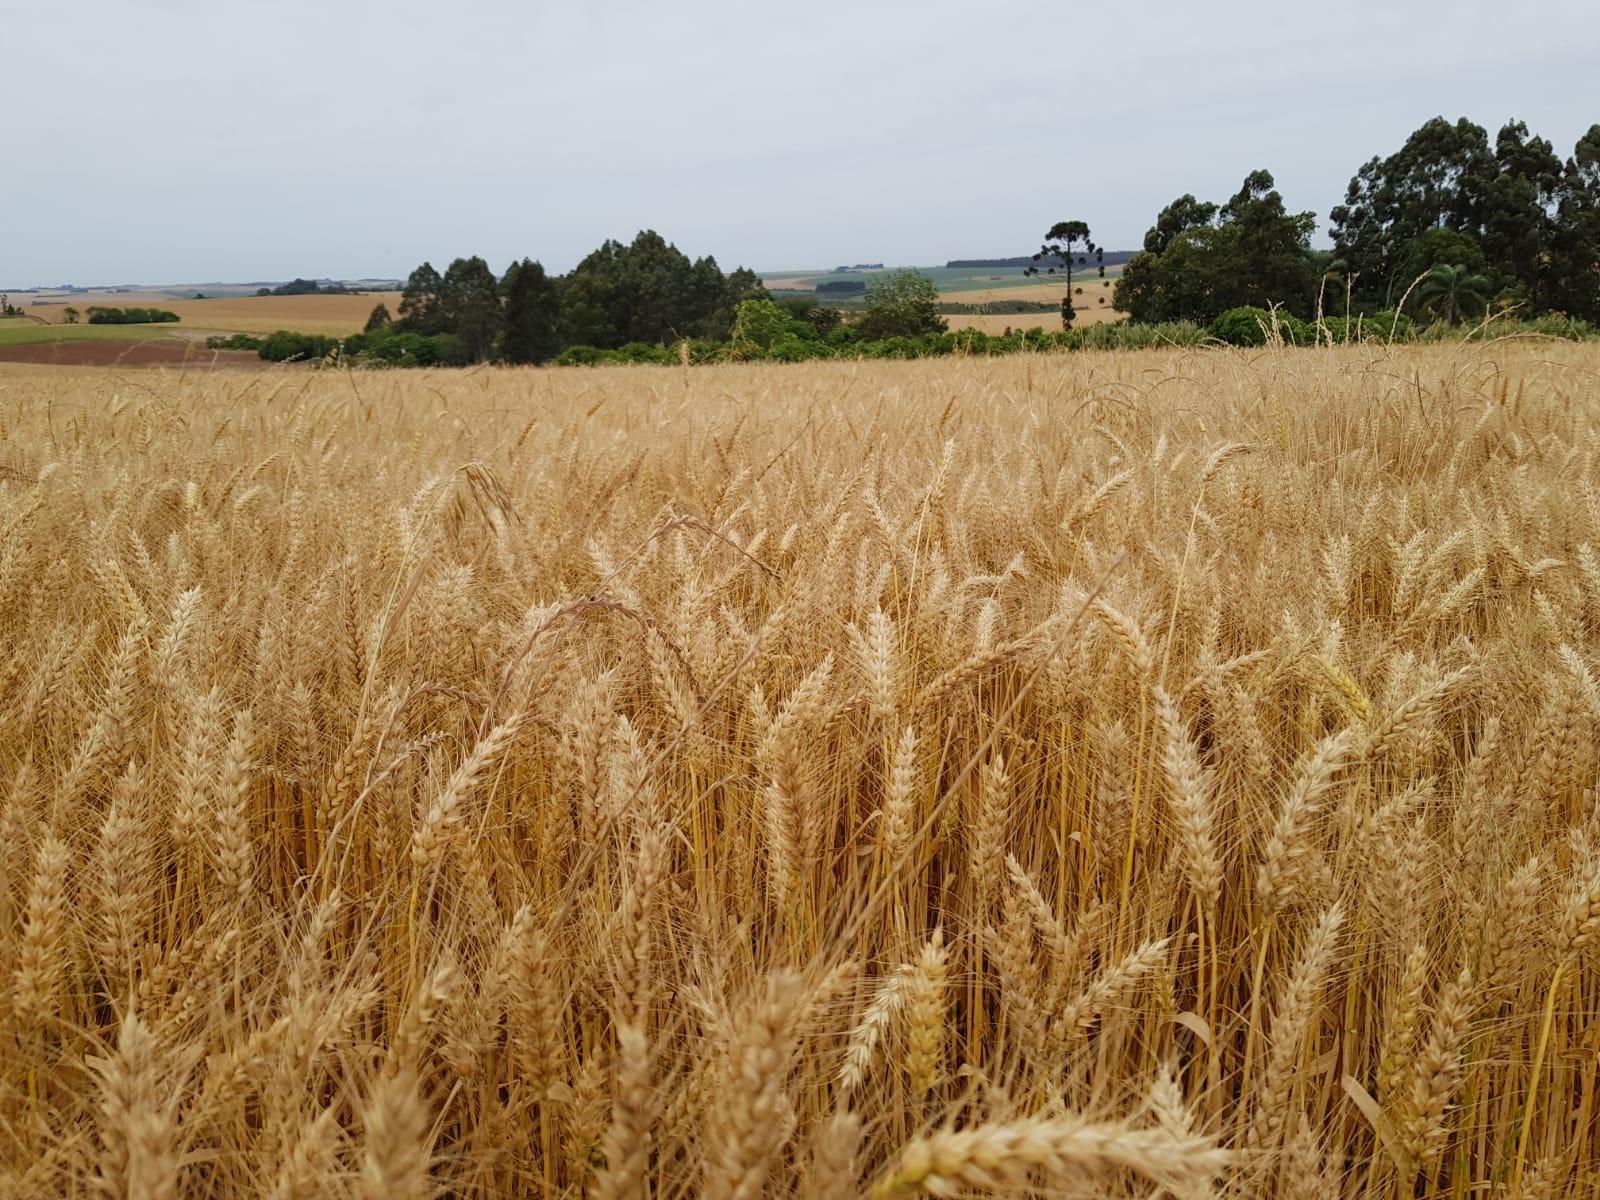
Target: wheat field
column 335, row 314
column 1152, row 774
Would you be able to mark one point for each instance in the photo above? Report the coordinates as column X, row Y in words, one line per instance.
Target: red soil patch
column 167, row 352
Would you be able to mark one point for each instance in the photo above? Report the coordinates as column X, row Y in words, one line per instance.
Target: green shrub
column 1175, row 333
column 1387, row 325
column 444, row 350
column 1341, row 331
column 703, row 350
column 233, row 341
column 582, row 356
column 1247, row 325
column 385, row 346
column 792, row 349
column 288, row 346
column 893, row 347
column 1553, row 325
column 762, row 323
column 901, row 304
column 1252, row 326
column 644, row 352
column 970, row 341
column 1101, row 337
column 1561, row 326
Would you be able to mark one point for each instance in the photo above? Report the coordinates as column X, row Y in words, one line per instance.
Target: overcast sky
column 199, row 140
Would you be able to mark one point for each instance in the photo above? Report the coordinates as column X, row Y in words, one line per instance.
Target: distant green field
column 25, row 333
column 948, row 279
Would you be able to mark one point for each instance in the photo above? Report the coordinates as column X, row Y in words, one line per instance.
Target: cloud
column 180, row 140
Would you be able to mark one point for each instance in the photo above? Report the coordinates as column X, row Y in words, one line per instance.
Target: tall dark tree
column 378, row 318
column 1572, row 283
column 419, row 301
column 628, row 293
column 1272, row 245
column 532, row 314
column 1519, row 206
column 469, row 305
column 1183, row 214
column 1437, row 179
column 708, row 299
column 658, row 290
column 1061, row 246
column 586, row 311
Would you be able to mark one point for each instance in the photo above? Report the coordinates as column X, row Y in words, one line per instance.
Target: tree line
column 467, row 315
column 646, row 291
column 1448, row 226
column 106, row 315
column 308, row 287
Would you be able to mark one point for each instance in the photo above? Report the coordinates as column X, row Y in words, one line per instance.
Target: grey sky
column 187, row 140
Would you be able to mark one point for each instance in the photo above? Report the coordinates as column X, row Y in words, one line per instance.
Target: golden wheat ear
column 958, row 777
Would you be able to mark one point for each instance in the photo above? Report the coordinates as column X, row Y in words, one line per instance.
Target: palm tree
column 1447, row 289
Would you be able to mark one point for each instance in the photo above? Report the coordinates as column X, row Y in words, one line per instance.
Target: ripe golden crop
column 1082, row 775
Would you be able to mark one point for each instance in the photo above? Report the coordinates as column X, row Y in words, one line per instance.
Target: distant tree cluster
column 8, row 309
column 644, row 292
column 308, row 287
column 465, row 316
column 1451, row 225
column 902, row 306
column 1523, row 223
column 286, row 346
column 842, row 287
column 99, row 315
column 1202, row 259
column 641, row 294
